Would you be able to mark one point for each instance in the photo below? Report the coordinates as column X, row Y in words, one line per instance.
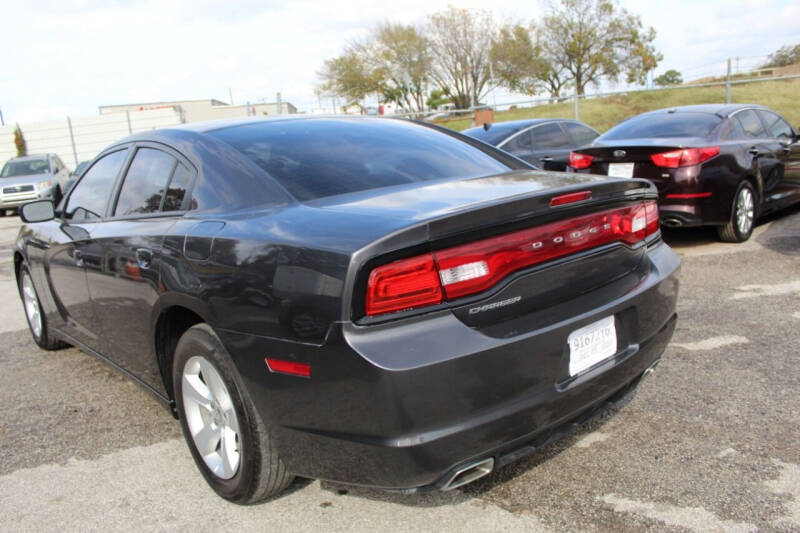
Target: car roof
column 30, row 157
column 721, row 110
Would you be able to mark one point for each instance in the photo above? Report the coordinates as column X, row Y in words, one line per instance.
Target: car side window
column 519, row 144
column 178, row 188
column 579, row 133
column 549, row 136
column 751, row 124
column 776, row 127
column 145, row 182
column 89, row 196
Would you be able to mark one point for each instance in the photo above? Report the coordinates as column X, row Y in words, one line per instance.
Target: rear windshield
column 494, row 135
column 24, row 168
column 664, row 125
column 315, row 158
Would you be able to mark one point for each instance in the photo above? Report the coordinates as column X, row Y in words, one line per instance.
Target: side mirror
column 38, row 211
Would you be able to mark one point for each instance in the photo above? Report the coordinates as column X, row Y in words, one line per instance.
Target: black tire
column 260, row 473
column 45, row 338
column 737, row 229
column 2, row 212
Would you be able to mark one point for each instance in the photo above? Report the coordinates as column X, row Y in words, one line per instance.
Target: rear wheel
column 740, row 226
column 228, row 440
column 37, row 322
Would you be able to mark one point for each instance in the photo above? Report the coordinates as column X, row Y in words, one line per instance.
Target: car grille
column 16, row 189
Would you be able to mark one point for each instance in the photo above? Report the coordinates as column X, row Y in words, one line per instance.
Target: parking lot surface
column 709, row 442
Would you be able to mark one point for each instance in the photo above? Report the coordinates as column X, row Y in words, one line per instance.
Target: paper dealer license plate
column 591, row 344
column 620, row 170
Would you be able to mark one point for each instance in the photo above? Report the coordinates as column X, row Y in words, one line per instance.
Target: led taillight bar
column 452, row 273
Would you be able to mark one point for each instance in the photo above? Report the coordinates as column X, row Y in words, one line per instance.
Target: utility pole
column 575, row 101
column 728, row 84
column 2, row 122
column 280, row 104
column 230, row 95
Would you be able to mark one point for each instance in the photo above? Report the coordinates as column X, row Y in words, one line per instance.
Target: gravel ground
column 709, row 442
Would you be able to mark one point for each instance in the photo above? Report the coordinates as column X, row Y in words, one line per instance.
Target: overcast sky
column 70, row 56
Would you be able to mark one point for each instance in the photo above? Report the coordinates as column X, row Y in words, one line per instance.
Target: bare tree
column 460, row 41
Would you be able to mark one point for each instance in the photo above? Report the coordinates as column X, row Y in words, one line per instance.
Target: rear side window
column 665, row 125
column 519, row 144
column 90, row 195
column 145, row 182
column 751, row 124
column 178, row 188
column 776, row 127
column 315, row 158
column 549, row 136
column 580, row 134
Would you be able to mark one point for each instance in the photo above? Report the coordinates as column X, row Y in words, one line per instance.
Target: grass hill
column 602, row 113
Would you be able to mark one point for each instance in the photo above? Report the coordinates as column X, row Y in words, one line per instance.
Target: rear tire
column 240, row 459
column 743, row 212
column 37, row 322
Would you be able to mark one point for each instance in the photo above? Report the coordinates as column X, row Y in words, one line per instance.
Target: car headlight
column 43, row 184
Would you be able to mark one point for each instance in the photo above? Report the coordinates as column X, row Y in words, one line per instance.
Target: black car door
column 125, row 284
column 783, row 142
column 767, row 150
column 71, row 248
column 551, row 146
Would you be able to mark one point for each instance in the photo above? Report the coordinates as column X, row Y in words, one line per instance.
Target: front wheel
column 37, row 322
column 740, row 226
column 228, row 440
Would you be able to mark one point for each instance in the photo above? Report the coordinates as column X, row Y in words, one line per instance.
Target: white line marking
column 776, row 289
column 591, row 438
column 691, row 518
column 712, row 343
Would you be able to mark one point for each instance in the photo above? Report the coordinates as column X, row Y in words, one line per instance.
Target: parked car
column 74, row 175
column 32, row 177
column 722, row 165
column 366, row 300
column 544, row 142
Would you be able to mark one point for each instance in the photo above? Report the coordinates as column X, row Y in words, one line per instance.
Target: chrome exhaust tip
column 672, row 222
column 469, row 473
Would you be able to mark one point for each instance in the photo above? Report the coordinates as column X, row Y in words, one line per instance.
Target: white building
column 208, row 109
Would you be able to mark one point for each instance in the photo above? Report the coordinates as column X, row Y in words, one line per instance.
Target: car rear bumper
column 369, row 417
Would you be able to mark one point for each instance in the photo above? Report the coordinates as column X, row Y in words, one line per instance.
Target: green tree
column 519, row 62
column 436, row 99
column 393, row 62
column 593, row 40
column 460, row 42
column 670, row 77
column 19, row 142
column 783, row 56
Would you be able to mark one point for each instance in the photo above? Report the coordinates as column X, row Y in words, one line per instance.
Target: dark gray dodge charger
column 365, row 300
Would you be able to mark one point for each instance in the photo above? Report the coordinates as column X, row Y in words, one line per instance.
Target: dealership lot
column 710, row 441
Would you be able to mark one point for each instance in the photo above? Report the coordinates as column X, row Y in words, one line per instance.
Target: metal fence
column 76, row 139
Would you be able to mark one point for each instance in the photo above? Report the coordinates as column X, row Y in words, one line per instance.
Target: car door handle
column 546, row 159
column 78, row 256
column 144, row 257
column 754, row 151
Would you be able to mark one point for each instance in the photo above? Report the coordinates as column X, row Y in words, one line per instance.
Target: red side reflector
column 684, row 158
column 579, row 161
column 570, row 198
column 690, row 195
column 293, row 368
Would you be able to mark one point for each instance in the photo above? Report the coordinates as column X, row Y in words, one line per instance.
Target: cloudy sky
column 65, row 57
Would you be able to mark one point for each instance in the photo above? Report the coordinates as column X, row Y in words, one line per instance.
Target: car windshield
column 325, row 157
column 664, row 125
column 494, row 135
column 24, row 168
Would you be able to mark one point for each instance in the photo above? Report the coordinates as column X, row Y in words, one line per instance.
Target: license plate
column 591, row 344
column 620, row 170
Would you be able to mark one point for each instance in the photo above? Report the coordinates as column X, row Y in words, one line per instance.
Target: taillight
column 579, row 161
column 471, row 268
column 404, row 284
column 685, row 157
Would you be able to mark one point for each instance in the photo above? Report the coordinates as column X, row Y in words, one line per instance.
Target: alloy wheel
column 31, row 302
column 745, row 210
column 211, row 417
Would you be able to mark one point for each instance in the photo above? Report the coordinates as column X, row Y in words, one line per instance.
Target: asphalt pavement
column 709, row 442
